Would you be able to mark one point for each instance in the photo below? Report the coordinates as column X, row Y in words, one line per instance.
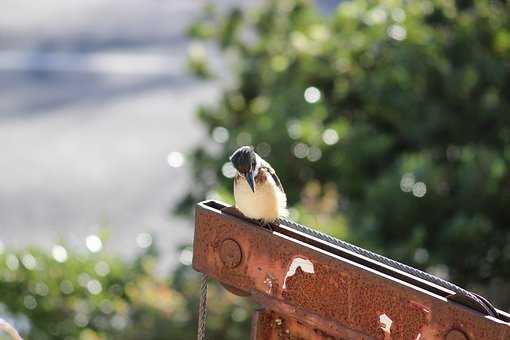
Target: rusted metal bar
column 270, row 325
column 321, row 294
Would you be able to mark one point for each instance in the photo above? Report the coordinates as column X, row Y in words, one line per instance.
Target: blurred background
column 387, row 121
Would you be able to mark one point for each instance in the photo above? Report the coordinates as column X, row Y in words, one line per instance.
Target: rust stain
column 270, row 325
column 230, row 253
column 311, row 289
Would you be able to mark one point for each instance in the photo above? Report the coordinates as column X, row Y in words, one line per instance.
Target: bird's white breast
column 268, row 202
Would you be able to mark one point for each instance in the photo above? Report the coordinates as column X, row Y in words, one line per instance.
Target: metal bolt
column 230, row 253
column 455, row 334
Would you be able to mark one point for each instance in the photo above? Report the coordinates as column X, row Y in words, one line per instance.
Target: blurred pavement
column 94, row 95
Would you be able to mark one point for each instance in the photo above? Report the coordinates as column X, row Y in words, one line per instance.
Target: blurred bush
column 68, row 295
column 387, row 121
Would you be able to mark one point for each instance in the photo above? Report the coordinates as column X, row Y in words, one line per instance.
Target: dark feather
column 275, row 177
column 243, row 158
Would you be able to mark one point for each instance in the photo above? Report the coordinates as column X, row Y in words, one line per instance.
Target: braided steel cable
column 202, row 308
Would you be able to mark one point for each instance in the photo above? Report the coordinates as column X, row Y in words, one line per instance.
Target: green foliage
column 96, row 296
column 408, row 147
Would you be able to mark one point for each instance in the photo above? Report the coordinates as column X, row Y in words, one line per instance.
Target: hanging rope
column 7, row 328
column 202, row 308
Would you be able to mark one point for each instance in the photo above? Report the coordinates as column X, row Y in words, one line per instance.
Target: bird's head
column 246, row 162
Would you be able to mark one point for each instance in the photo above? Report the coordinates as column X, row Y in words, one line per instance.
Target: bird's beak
column 251, row 180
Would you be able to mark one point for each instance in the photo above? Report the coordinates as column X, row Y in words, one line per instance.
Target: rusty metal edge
column 208, row 206
column 310, row 319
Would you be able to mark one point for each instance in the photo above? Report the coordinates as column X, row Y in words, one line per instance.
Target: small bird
column 258, row 191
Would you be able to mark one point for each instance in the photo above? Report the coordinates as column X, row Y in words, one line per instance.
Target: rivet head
column 455, row 334
column 230, row 253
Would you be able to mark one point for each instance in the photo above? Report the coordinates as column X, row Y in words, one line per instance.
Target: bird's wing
column 274, row 175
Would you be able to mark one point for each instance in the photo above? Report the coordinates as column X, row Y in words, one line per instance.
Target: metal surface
column 307, row 318
column 342, row 294
column 270, row 325
column 230, row 253
column 404, row 272
column 455, row 334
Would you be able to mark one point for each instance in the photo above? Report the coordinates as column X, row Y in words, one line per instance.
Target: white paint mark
column 386, row 325
column 269, row 283
column 298, row 262
column 418, row 337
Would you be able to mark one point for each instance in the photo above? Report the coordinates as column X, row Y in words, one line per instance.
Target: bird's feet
column 271, row 226
column 233, row 211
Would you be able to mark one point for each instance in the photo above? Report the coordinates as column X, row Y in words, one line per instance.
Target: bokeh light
column 144, row 240
column 59, row 253
column 94, row 287
column 312, row 95
column 314, row 154
column 41, row 289
column 175, row 159
column 12, row 262
column 294, row 129
column 81, row 319
column 421, row 255
column 94, row 243
column 243, row 138
column 220, row 134
column 66, row 287
column 186, row 257
column 301, row 150
column 259, row 105
column 407, row 182
column 228, row 170
column 106, row 307
column 375, row 17
column 102, row 268
column 398, row 14
column 239, row 314
column 330, row 137
column 397, row 32
column 419, row 189
column 29, row 302
column 119, row 322
column 263, row 149
column 29, row 261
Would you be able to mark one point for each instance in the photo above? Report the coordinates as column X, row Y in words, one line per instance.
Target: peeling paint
column 386, row 323
column 269, row 282
column 298, row 262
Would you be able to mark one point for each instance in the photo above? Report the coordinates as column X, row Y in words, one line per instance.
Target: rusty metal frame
column 311, row 292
